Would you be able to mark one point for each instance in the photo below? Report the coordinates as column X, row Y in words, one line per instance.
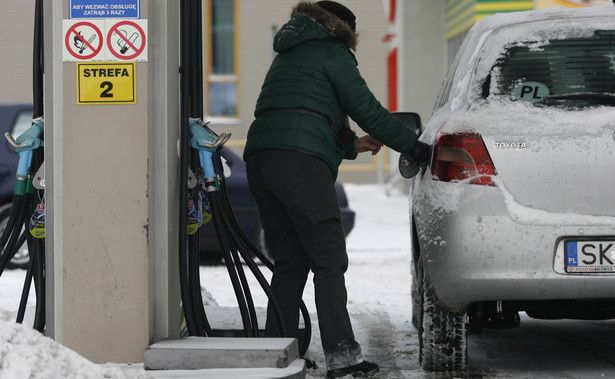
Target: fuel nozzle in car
column 412, row 162
column 408, row 167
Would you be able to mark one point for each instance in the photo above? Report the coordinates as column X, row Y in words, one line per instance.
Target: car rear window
column 568, row 72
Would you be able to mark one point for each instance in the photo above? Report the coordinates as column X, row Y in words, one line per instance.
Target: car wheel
column 22, row 257
column 442, row 335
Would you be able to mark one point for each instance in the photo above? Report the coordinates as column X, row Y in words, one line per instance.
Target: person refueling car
column 294, row 147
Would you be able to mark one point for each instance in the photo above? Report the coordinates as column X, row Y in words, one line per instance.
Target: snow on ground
column 378, row 247
column 378, row 282
column 25, row 353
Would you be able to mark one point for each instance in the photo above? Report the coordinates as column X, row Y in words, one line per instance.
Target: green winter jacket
column 312, row 86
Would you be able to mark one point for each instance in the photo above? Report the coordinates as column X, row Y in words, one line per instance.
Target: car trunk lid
column 555, row 160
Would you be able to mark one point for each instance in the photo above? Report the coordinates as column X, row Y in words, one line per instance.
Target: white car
column 516, row 210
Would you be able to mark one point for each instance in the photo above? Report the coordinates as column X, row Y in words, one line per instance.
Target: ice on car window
column 568, row 72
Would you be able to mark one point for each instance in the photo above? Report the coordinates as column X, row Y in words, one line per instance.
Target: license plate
column 590, row 256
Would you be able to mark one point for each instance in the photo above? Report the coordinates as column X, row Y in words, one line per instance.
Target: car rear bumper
column 477, row 251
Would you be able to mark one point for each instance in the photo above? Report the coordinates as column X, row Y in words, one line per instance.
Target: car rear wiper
column 608, row 96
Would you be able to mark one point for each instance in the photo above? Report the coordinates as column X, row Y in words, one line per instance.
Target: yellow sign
column 106, row 83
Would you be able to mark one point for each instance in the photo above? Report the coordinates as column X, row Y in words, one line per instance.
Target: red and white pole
column 391, row 38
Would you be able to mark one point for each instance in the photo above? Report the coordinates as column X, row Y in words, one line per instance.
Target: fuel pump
column 202, row 191
column 203, row 187
column 26, row 221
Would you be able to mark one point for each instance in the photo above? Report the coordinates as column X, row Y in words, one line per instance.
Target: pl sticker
column 530, row 91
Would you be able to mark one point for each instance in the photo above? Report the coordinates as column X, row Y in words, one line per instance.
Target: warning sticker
column 106, row 83
column 126, row 41
column 105, row 40
column 83, row 41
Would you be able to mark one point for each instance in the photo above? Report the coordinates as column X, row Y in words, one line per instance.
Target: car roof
column 550, row 14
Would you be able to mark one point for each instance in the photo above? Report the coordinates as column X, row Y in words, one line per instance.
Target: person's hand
column 367, row 143
column 421, row 152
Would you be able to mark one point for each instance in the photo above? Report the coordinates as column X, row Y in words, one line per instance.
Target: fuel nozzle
column 206, row 142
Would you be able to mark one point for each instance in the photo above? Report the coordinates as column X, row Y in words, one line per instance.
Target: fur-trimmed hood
column 297, row 30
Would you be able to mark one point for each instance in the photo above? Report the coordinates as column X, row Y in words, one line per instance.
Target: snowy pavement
column 378, row 282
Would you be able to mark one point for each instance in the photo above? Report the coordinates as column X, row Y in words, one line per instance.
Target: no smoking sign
column 126, row 40
column 105, row 40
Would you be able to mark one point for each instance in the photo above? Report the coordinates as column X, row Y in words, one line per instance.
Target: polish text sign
column 106, row 83
column 105, row 9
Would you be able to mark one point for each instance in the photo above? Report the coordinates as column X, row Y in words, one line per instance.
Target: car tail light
column 462, row 156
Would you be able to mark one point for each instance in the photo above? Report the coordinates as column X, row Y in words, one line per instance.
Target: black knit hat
column 340, row 11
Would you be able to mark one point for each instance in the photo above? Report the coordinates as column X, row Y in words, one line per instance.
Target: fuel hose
column 26, row 198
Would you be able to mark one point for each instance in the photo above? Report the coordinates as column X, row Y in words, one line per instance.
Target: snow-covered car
column 515, row 211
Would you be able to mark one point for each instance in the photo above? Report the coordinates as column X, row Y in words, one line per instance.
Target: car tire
column 416, row 271
column 22, row 257
column 442, row 335
column 417, row 294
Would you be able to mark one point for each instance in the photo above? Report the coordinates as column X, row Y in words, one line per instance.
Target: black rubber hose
column 237, row 248
column 20, row 241
column 38, row 246
column 248, row 250
column 215, row 198
column 245, row 285
column 25, row 292
column 226, row 214
column 246, row 247
column 195, row 285
column 203, row 321
column 196, row 49
column 9, row 248
column 251, row 248
column 37, row 58
column 10, row 223
column 185, row 83
column 195, row 101
column 24, row 207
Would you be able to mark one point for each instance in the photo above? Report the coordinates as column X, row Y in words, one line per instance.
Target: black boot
column 361, row 370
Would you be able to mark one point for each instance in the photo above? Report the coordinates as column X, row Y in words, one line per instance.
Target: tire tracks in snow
column 591, row 346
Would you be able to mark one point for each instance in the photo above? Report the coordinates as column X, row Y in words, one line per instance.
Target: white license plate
column 590, row 256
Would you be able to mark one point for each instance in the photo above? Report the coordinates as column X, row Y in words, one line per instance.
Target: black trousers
column 297, row 201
